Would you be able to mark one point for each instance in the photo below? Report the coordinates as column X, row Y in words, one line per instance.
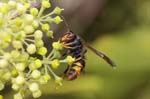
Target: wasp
column 77, row 49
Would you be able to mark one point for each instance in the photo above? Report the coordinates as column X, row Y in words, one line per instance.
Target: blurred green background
column 121, row 30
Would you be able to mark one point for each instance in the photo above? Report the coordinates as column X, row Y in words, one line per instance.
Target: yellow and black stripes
column 74, row 45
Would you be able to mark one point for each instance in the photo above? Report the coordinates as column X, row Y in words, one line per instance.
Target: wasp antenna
column 66, row 24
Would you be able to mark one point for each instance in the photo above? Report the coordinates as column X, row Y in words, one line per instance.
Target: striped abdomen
column 74, row 45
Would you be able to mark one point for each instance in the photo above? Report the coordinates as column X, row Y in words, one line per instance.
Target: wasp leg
column 72, row 43
column 65, row 72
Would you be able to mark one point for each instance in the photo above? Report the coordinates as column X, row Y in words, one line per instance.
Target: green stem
column 30, row 35
column 46, row 62
column 46, row 20
column 63, row 61
column 30, row 40
column 28, row 74
column 46, row 71
column 22, row 48
column 47, row 15
column 50, row 54
column 25, row 43
column 50, row 69
column 41, row 11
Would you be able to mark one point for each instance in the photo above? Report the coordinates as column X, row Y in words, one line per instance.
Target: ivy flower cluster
column 22, row 27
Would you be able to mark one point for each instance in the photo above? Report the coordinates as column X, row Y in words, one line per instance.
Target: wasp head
column 68, row 37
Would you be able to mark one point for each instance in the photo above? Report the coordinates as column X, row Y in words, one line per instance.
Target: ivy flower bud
column 37, row 94
column 21, row 35
column 32, row 66
column 14, row 73
column 35, row 24
column 17, row 44
column 20, row 67
column 46, row 4
column 6, row 77
column 27, row 5
column 58, row 80
column 18, row 96
column 4, row 9
column 38, row 34
column 18, row 21
column 20, row 80
column 28, row 18
column 31, row 49
column 15, row 87
column 12, row 4
column 47, row 77
column 1, row 97
column 57, row 20
column 38, row 63
column 21, row 8
column 50, row 34
column 35, row 74
column 8, row 38
column 55, row 63
column 34, row 11
column 3, row 63
column 42, row 51
column 7, row 56
column 15, row 54
column 45, row 27
column 24, row 56
column 70, row 60
column 57, row 10
column 44, row 79
column 39, row 43
column 28, row 29
column 33, row 87
column 57, row 45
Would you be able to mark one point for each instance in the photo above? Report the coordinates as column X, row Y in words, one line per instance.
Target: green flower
column 37, row 94
column 3, row 63
column 46, row 4
column 55, row 63
column 18, row 96
column 31, row 49
column 45, row 27
column 34, row 11
column 57, row 20
column 42, row 51
column 58, row 10
column 35, row 74
column 29, row 29
column 38, row 34
column 20, row 80
column 57, row 45
column 33, row 87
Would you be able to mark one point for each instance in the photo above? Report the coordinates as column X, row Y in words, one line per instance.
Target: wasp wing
column 103, row 56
